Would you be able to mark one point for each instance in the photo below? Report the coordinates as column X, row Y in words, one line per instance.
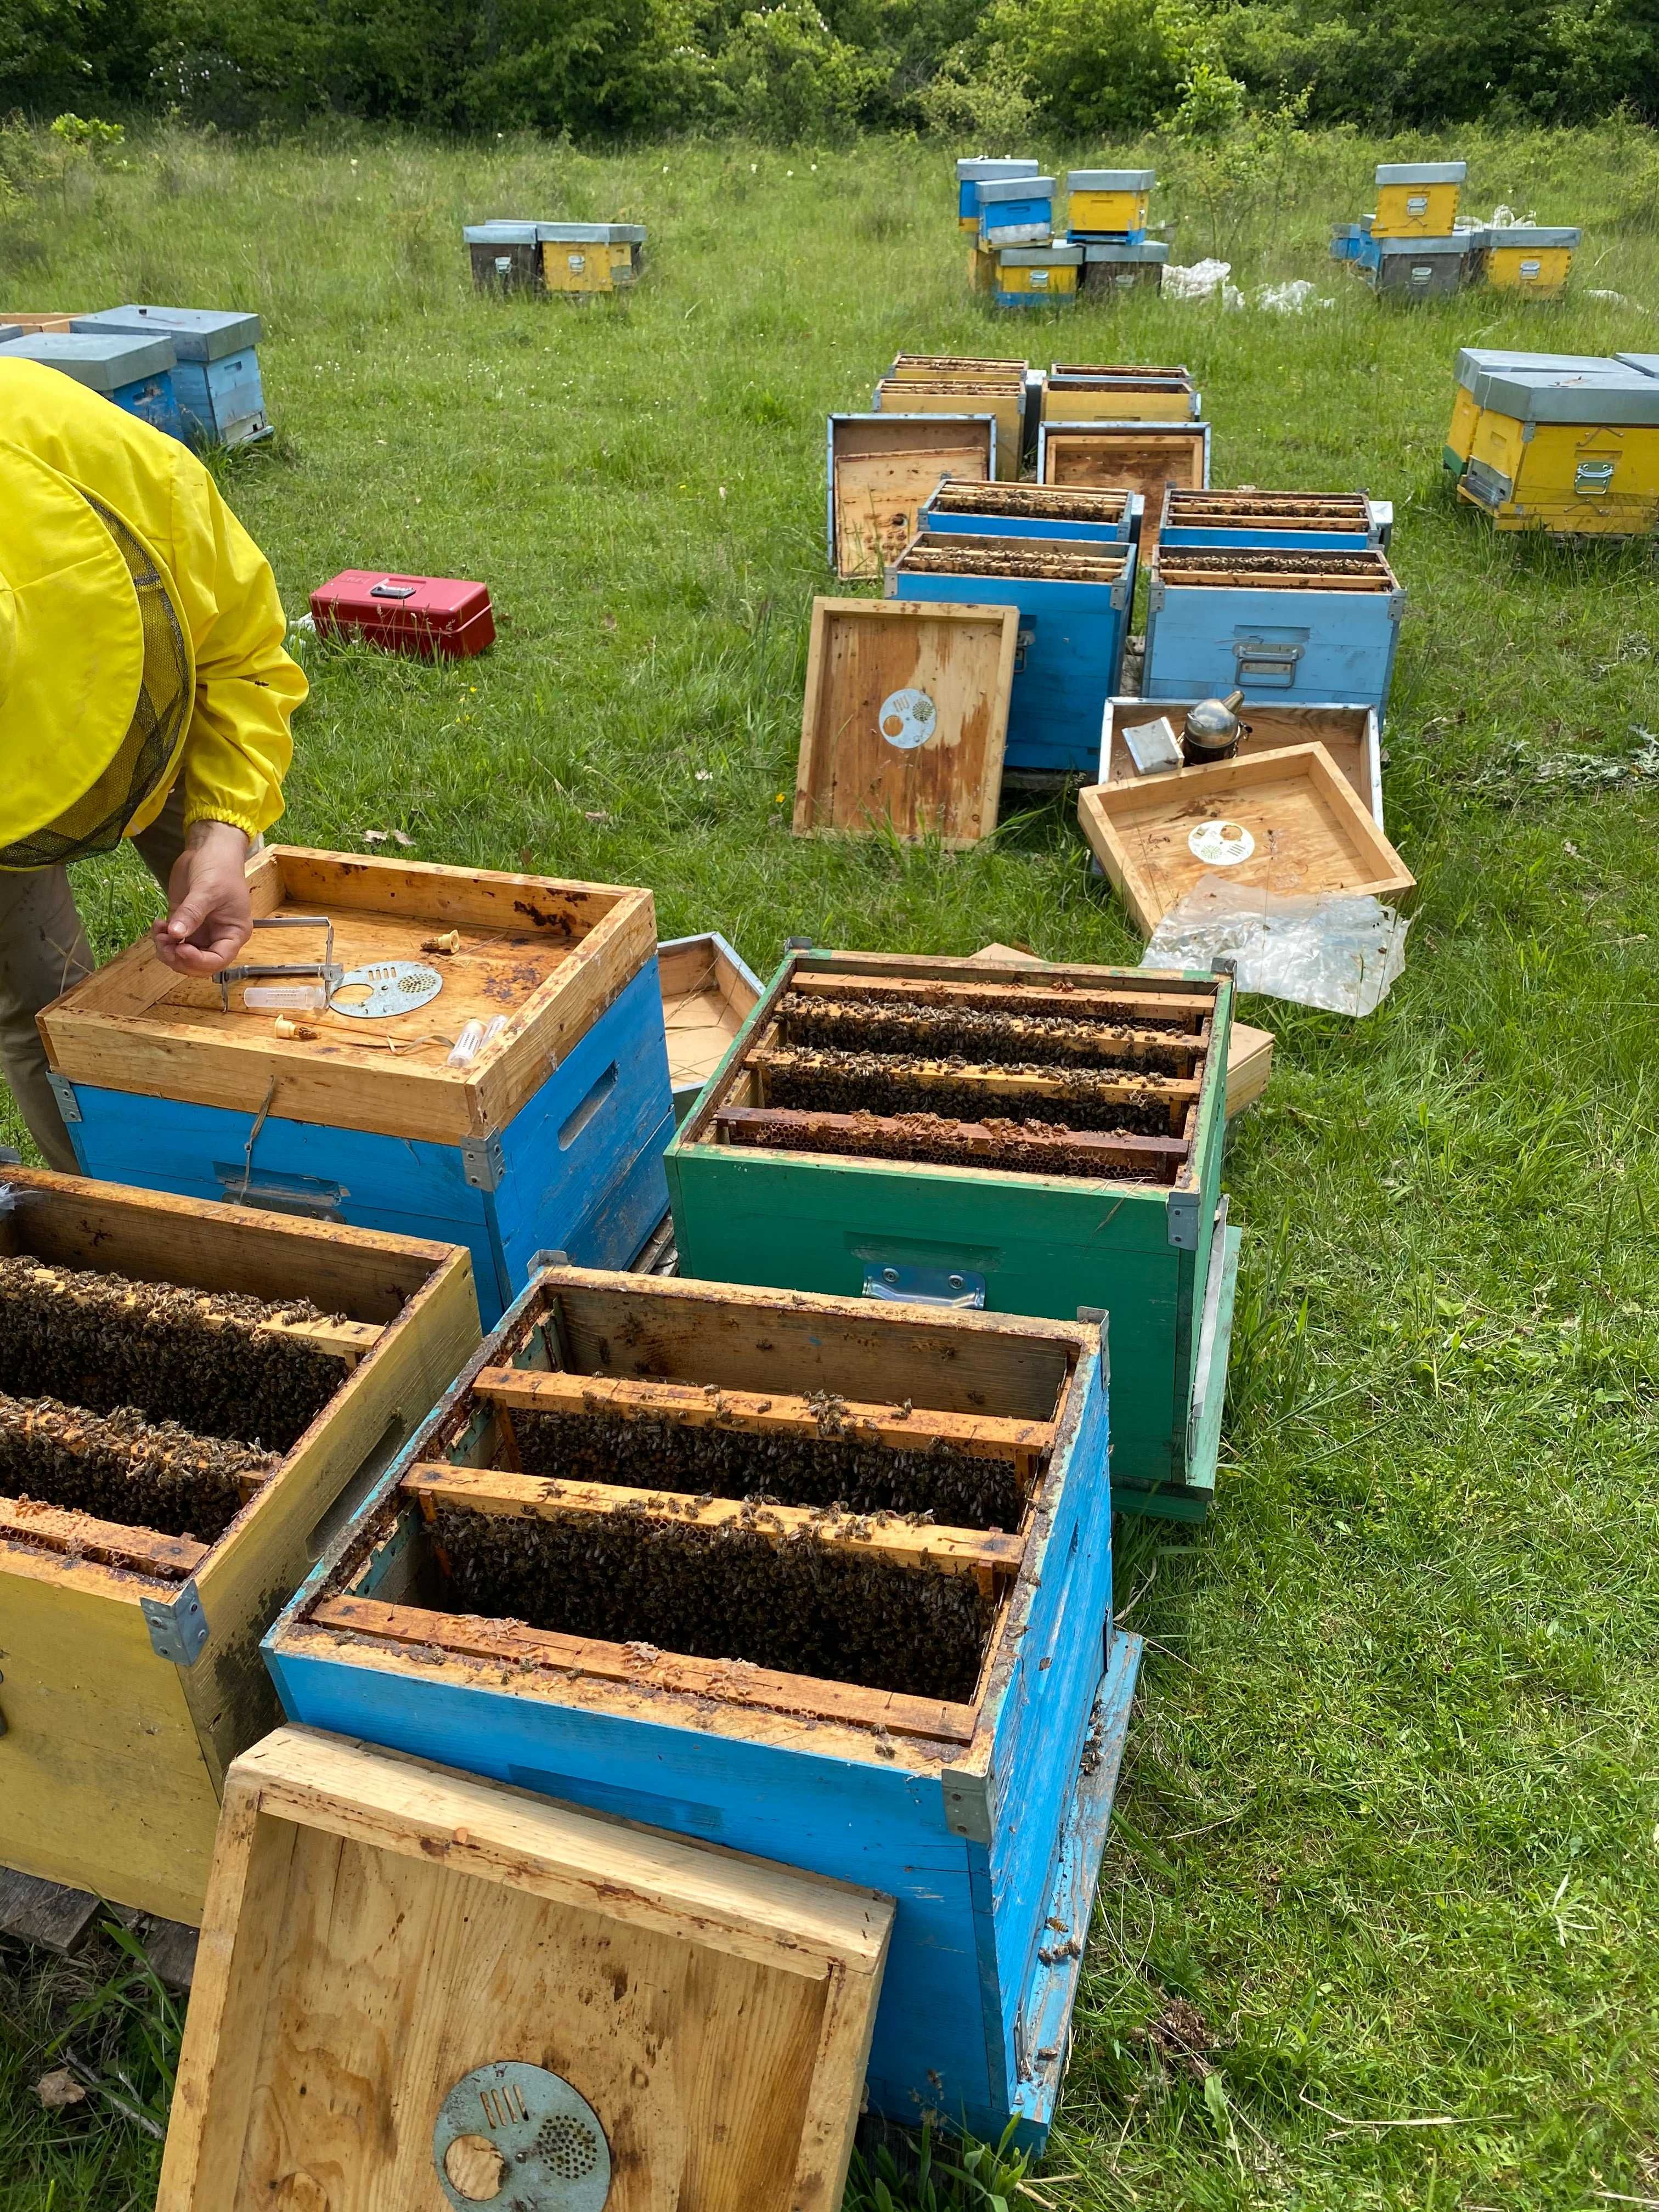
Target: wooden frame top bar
column 898, row 1540
column 108, row 1543
column 1121, row 1153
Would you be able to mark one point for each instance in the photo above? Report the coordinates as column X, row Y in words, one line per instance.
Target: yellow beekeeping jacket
column 236, row 746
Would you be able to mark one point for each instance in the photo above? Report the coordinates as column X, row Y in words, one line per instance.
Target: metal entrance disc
column 394, row 986
column 521, row 2139
column 906, row 719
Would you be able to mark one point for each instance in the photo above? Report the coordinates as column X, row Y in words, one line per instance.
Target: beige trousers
column 43, row 951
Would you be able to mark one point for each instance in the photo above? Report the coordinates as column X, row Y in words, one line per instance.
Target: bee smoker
column 1212, row 730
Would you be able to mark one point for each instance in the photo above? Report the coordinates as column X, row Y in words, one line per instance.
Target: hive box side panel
column 1306, row 645
column 880, row 1827
column 1044, row 1249
column 104, row 1787
column 1043, row 1715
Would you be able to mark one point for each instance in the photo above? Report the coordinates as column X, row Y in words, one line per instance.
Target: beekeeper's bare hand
column 210, row 920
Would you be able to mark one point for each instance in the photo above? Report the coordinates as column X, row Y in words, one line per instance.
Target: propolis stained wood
column 981, row 1811
column 114, row 1753
column 918, row 1144
column 549, row 1139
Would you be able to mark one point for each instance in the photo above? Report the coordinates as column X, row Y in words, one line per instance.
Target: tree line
column 816, row 69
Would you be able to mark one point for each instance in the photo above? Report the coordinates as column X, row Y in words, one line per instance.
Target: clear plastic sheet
column 1328, row 950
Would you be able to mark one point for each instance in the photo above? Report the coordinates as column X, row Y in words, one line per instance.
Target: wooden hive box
column 1139, row 456
column 215, row 376
column 1534, row 259
column 1027, row 276
column 883, row 466
column 130, row 369
column 551, row 1138
column 1566, row 451
column 707, row 994
column 1276, row 521
column 1110, row 268
column 1025, row 510
column 1474, row 362
column 1075, row 392
column 1417, row 199
column 504, row 255
column 1298, row 626
column 419, row 1989
column 932, row 1707
column 819, row 1166
column 1015, row 210
column 1287, row 821
column 581, row 258
column 976, row 170
column 905, row 719
column 1108, row 203
column 1002, row 396
column 131, row 1673
column 1350, row 735
column 1072, row 597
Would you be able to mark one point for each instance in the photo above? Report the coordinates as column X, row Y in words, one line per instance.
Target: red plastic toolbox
column 426, row 615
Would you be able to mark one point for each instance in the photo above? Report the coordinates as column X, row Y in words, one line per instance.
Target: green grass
column 1378, row 1918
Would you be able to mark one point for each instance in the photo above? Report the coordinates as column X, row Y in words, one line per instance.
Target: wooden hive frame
column 768, row 1753
column 1058, row 503
column 1269, row 509
column 1248, row 568
column 132, row 1675
column 954, row 553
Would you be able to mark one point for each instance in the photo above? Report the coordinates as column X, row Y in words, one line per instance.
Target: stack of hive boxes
column 192, row 372
column 1416, row 245
column 1106, row 216
column 951, row 384
column 1565, row 443
column 514, row 254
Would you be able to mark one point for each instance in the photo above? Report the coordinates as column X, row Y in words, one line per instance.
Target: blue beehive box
column 1073, row 597
column 994, row 510
column 979, row 170
column 134, row 372
column 215, row 376
column 1220, row 622
column 979, row 1805
column 1017, row 211
column 9, row 331
column 1282, row 521
column 551, row 1138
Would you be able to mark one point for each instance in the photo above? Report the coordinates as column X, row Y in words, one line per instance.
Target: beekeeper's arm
column 238, row 749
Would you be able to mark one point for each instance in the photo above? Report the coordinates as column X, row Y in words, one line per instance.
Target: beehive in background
column 1532, row 259
column 1109, row 270
column 1417, row 199
column 1073, row 597
column 1473, row 362
column 1108, row 204
column 900, row 1669
column 216, row 371
column 1028, row 275
column 134, row 372
column 1041, row 1143
column 585, row 258
column 189, row 1398
column 979, row 170
column 505, row 254
column 1076, row 392
column 1573, row 454
column 1017, row 211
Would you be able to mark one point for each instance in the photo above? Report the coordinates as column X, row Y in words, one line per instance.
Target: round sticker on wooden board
column 906, row 719
column 1220, row 844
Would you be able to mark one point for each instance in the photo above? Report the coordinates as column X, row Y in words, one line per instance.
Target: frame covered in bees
column 1041, row 1144
column 827, row 1580
column 185, row 1398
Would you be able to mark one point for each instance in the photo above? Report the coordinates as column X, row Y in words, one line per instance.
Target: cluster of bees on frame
column 146, row 1403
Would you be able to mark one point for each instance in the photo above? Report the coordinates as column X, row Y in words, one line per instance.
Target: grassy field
column 1377, row 1923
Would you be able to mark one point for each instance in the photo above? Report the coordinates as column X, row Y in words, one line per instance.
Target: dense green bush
column 811, row 68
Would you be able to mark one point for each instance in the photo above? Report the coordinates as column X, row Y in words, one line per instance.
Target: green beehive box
column 1047, row 1142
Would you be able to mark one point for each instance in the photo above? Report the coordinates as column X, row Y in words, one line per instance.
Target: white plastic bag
column 1289, row 298
column 1201, row 280
column 1329, row 950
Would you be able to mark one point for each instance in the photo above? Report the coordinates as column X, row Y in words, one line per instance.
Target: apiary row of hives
column 190, row 372
column 577, row 259
column 1415, row 246
column 1020, row 258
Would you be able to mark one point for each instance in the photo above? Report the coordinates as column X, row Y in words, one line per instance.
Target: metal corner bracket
column 967, row 1805
column 1183, row 1214
column 483, row 1163
column 178, row 1626
column 64, row 1091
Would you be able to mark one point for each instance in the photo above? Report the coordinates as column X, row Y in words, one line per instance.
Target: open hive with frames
column 827, row 1579
column 187, row 1394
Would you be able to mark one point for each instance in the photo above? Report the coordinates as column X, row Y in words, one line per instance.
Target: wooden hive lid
column 550, row 956
column 412, row 1983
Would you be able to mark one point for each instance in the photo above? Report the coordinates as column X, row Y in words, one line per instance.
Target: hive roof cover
column 421, row 1989
column 197, row 333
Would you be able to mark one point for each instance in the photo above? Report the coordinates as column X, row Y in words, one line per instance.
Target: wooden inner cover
column 882, row 472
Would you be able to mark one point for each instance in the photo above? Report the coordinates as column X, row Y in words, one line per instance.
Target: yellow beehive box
column 1108, row 203
column 1475, row 363
column 1119, row 393
column 177, row 1446
column 589, row 256
column 1031, row 273
column 1417, row 199
column 1531, row 258
column 1574, row 455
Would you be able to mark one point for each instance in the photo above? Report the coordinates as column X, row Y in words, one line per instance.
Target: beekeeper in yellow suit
column 144, row 693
